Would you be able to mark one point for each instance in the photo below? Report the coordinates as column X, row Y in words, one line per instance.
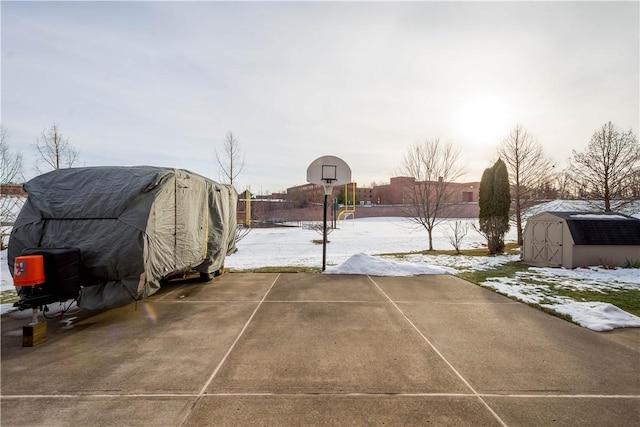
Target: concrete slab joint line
column 224, row 358
column 458, row 374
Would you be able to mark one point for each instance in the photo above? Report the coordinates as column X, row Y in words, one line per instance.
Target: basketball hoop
column 328, row 171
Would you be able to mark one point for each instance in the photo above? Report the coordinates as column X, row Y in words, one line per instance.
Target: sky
column 162, row 83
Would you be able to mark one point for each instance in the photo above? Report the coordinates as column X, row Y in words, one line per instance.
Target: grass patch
column 508, row 269
column 631, row 263
column 510, row 249
column 625, row 299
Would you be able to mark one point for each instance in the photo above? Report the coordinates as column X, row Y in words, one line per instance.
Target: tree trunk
column 607, row 198
column 519, row 221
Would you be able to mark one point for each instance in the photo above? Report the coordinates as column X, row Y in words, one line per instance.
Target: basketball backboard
column 328, row 171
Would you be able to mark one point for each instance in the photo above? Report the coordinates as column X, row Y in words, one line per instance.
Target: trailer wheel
column 206, row 277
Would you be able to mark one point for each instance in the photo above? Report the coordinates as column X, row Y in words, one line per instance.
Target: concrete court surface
column 309, row 349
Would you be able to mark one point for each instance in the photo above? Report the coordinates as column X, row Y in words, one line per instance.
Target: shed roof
column 601, row 228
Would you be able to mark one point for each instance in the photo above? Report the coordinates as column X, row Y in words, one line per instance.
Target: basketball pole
column 324, row 234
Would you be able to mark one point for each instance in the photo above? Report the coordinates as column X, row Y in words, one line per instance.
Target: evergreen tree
column 494, row 203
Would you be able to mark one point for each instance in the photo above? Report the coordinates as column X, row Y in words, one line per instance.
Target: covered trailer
column 133, row 227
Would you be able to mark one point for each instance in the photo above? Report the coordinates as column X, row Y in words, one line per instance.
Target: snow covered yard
column 356, row 245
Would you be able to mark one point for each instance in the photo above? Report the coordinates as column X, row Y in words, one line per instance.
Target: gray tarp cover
column 133, row 225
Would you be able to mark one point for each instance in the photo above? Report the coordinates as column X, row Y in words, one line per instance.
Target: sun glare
column 483, row 120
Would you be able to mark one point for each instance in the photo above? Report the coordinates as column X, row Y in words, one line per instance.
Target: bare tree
column 529, row 170
column 10, row 173
column 241, row 232
column 231, row 160
column 318, row 227
column 610, row 162
column 434, row 166
column 11, row 166
column 632, row 185
column 563, row 185
column 456, row 232
column 54, row 151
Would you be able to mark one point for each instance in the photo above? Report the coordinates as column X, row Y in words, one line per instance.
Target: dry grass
column 510, row 248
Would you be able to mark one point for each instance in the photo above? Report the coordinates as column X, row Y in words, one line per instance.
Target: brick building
column 395, row 193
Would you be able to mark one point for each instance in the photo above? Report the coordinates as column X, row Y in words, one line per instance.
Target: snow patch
column 632, row 209
column 597, row 316
column 598, row 216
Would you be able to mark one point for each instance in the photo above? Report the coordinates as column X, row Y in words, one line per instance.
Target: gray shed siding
column 604, row 255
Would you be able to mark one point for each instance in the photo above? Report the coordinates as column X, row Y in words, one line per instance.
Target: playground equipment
column 346, row 211
column 247, row 208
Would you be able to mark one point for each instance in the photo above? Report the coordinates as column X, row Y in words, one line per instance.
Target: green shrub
column 631, row 263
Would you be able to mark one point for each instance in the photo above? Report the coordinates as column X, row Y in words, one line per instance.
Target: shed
column 134, row 226
column 576, row 239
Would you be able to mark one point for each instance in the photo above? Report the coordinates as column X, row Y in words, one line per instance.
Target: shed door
column 547, row 243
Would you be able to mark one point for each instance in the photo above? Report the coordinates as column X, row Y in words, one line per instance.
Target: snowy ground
column 292, row 246
column 356, row 245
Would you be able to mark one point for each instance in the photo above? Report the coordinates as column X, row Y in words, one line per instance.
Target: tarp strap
column 206, row 238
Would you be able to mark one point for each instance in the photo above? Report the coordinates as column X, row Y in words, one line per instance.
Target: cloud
column 162, row 82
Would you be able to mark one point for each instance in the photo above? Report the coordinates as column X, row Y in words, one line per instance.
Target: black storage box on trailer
column 62, row 277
